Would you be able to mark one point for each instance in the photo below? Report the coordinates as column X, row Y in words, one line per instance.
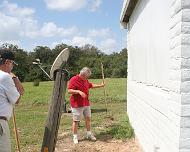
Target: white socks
column 75, row 139
column 74, row 135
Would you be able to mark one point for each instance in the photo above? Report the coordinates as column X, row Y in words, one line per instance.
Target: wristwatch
column 14, row 77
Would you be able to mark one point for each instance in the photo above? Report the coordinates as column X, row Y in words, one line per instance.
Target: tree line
column 115, row 64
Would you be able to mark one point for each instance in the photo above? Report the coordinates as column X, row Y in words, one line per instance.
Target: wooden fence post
column 55, row 111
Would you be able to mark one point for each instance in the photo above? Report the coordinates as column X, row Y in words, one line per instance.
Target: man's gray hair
column 85, row 72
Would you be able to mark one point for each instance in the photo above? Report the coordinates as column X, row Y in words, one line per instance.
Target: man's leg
column 76, row 118
column 87, row 115
column 5, row 143
column 74, row 127
column 87, row 123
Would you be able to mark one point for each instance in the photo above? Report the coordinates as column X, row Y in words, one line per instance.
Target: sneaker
column 91, row 137
column 75, row 140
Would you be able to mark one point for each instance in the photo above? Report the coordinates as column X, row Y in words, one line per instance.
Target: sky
column 31, row 23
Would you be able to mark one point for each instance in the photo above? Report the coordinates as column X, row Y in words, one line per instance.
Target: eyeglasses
column 13, row 62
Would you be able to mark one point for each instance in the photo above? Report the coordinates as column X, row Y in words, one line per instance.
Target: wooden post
column 16, row 131
column 55, row 111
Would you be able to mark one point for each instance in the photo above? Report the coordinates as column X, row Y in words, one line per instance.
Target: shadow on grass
column 122, row 130
column 104, row 136
column 115, row 132
column 98, row 110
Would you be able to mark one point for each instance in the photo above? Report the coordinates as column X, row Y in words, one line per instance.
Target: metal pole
column 44, row 71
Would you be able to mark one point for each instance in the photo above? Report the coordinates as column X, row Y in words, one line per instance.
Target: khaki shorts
column 81, row 111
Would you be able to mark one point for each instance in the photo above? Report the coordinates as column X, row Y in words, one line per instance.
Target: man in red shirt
column 79, row 89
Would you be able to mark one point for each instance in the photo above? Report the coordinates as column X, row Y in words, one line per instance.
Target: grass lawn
column 31, row 113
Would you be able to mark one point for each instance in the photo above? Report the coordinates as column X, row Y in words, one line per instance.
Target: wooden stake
column 55, row 111
column 102, row 68
column 16, row 131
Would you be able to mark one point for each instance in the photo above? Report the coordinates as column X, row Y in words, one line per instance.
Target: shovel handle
column 16, row 131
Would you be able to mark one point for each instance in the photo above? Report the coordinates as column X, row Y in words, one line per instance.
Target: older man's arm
column 72, row 91
column 18, row 84
column 98, row 85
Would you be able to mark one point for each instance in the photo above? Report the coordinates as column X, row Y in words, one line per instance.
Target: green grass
column 35, row 95
column 116, row 90
column 31, row 113
column 122, row 130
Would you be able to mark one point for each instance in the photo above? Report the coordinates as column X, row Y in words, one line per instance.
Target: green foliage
column 22, row 59
column 115, row 64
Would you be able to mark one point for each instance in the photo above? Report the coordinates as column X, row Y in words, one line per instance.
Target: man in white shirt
column 10, row 91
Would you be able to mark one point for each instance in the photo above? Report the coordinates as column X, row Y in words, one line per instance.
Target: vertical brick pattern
column 184, row 141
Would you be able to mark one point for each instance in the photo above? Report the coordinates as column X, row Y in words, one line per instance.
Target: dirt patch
column 103, row 125
column 103, row 144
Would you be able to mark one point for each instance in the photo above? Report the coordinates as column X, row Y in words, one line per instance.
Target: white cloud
column 99, row 33
column 81, row 41
column 53, row 44
column 9, row 27
column 75, row 41
column 50, row 29
column 13, row 10
column 70, row 31
column 108, row 46
column 17, row 23
column 29, row 28
column 63, row 5
column 22, row 25
column 73, row 5
column 14, row 42
column 95, row 5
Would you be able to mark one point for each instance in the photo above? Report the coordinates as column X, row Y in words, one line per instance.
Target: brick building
column 158, row 93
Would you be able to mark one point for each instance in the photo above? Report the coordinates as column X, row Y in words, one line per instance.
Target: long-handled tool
column 16, row 131
column 102, row 68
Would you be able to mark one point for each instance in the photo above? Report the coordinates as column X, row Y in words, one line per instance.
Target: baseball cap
column 7, row 55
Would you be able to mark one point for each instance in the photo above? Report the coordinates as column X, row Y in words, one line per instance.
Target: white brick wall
column 185, row 77
column 159, row 111
column 154, row 117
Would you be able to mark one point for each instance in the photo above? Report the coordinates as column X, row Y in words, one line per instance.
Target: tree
column 115, row 64
column 21, row 57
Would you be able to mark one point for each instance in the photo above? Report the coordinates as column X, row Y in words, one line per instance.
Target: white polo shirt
column 8, row 94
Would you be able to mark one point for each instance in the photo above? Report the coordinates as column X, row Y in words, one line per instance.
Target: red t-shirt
column 77, row 83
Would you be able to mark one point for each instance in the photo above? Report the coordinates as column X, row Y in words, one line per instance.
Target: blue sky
column 30, row 23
